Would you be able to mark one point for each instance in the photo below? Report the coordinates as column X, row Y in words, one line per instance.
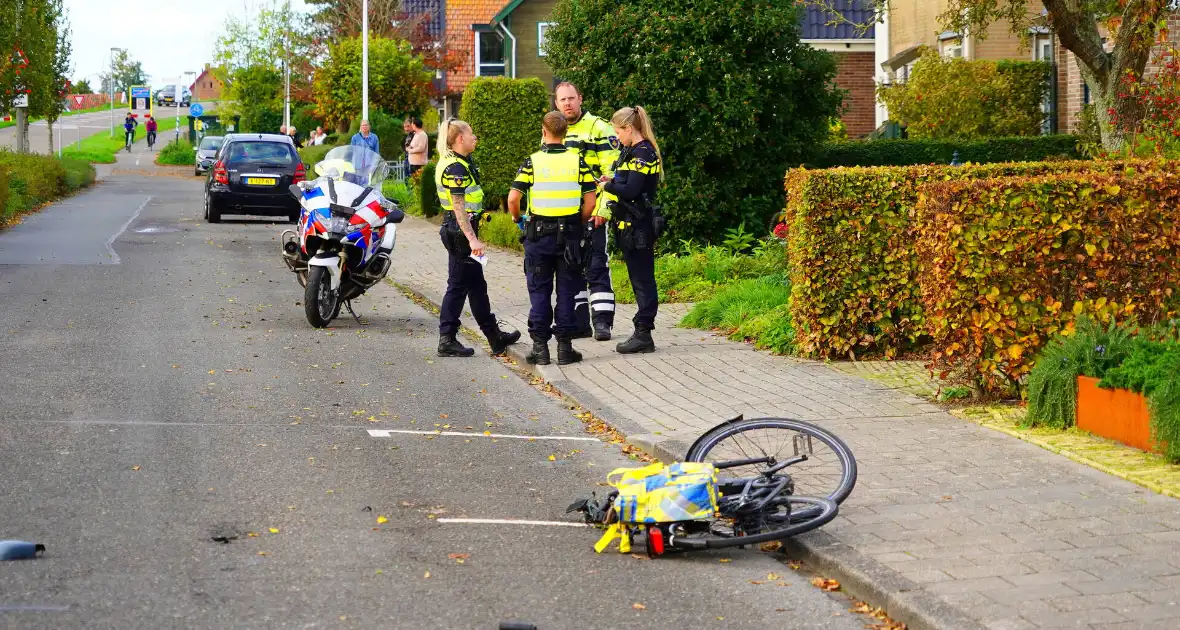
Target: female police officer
column 631, row 194
column 459, row 192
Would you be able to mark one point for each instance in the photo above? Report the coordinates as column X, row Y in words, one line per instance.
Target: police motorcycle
column 346, row 232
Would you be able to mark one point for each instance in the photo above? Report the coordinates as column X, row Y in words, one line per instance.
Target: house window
column 542, row 29
column 489, row 54
column 951, row 48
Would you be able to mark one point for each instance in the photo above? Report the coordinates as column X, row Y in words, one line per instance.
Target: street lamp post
column 112, row 86
column 287, row 66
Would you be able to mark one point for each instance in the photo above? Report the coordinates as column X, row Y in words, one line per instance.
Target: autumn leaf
column 443, row 415
column 381, row 520
column 724, row 560
column 757, row 582
column 274, row 530
column 135, row 468
column 458, row 557
column 552, row 458
column 426, row 576
column 825, row 584
column 773, row 576
column 262, row 553
column 638, row 606
column 773, row 545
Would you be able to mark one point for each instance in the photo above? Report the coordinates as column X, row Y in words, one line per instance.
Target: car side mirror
column 296, row 191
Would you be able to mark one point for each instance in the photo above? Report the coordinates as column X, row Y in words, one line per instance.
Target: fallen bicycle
column 732, row 490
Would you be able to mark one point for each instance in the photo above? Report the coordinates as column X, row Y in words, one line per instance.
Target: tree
column 398, row 79
column 340, row 19
column 52, row 103
column 81, row 87
column 127, row 72
column 250, row 56
column 35, row 71
column 736, row 98
column 1132, row 26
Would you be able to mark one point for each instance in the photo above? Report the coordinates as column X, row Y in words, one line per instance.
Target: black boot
column 601, row 331
column 448, row 346
column 500, row 340
column 539, row 354
column 566, row 353
column 640, row 342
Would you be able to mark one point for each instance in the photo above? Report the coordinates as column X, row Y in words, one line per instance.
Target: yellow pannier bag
column 685, row 491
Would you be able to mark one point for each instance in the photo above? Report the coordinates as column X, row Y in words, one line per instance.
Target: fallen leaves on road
column 773, row 545
column 725, row 560
column 135, row 468
column 381, row 520
column 825, row 584
column 757, row 581
column 458, row 557
column 638, row 606
column 252, row 534
column 262, row 553
column 552, row 458
column 884, row 622
column 274, row 530
column 773, row 576
column 794, row 564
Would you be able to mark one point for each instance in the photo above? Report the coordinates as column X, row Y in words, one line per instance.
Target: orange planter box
column 1117, row 414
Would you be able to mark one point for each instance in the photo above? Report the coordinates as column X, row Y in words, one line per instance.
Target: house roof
column 506, row 11
column 461, row 17
column 815, row 21
column 207, row 71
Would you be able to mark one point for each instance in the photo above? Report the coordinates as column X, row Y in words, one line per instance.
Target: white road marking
column 508, row 521
column 111, row 240
column 384, row 433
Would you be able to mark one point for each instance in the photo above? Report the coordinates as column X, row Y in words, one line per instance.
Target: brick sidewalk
column 951, row 525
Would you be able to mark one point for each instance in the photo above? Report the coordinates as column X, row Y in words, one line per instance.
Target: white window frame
column 479, row 64
column 541, row 27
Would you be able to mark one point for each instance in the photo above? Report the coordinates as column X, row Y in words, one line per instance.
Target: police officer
column 635, row 221
column 593, row 138
column 459, row 192
column 561, row 192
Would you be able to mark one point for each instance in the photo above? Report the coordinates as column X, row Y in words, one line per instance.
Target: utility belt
column 453, row 238
column 567, row 229
column 636, row 225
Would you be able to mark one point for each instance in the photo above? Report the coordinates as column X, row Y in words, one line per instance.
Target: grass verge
column 176, row 153
column 12, row 123
column 753, row 310
column 100, row 148
column 697, row 274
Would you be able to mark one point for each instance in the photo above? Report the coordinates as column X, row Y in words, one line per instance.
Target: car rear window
column 259, row 152
column 211, row 143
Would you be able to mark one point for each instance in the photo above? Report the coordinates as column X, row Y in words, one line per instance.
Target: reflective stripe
column 604, row 306
column 602, row 296
column 472, row 191
column 551, row 186
column 555, row 203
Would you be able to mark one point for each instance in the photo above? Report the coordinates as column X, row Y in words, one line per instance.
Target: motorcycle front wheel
column 320, row 303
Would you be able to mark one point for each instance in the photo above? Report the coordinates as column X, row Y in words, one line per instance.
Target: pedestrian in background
column 461, row 197
column 561, row 188
column 417, row 144
column 634, row 222
column 366, row 138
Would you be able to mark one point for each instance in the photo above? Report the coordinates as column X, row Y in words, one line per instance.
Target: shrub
column 705, row 70
column 31, row 180
column 498, row 229
column 177, row 152
column 1053, row 382
column 304, row 118
column 398, row 192
column 4, row 193
column 956, row 98
column 506, row 116
column 79, row 174
column 852, row 250
column 933, row 151
column 750, row 310
column 1008, row 262
column 1152, row 368
column 696, row 274
column 314, row 154
column 427, row 192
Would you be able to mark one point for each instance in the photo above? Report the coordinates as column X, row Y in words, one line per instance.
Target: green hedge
column 498, row 229
column 428, row 192
column 31, row 180
column 912, row 152
column 852, row 247
column 505, row 115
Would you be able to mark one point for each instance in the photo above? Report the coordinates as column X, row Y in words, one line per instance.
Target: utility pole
column 364, row 59
column 287, row 65
column 112, row 87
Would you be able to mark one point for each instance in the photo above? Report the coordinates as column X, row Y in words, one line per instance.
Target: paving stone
column 1023, row 593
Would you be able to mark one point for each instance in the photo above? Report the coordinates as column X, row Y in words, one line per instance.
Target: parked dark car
column 252, row 176
column 167, row 96
column 206, row 152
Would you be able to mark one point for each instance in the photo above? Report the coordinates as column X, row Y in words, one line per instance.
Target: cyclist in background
column 129, row 125
column 150, row 126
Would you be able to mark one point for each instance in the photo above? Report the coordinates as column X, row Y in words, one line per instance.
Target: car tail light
column 300, row 173
column 220, row 175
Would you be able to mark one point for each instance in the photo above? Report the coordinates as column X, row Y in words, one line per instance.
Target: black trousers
column 597, row 304
column 544, row 262
column 465, row 283
column 641, row 266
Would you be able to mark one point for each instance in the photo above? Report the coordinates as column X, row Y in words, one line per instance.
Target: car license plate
column 261, row 181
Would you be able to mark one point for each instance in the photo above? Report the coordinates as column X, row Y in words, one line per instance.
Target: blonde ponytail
column 448, row 131
column 637, row 118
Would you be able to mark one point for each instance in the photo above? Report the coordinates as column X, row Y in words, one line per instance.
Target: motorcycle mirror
column 296, row 191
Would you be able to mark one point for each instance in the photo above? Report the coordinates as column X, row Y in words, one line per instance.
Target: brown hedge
column 854, row 263
column 1006, row 263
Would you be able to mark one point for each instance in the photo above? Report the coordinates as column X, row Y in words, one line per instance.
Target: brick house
column 207, row 87
column 856, row 56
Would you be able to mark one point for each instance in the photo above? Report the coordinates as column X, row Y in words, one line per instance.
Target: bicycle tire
column 824, row 511
column 710, row 440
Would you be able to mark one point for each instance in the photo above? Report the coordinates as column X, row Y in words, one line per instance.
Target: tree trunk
column 49, row 127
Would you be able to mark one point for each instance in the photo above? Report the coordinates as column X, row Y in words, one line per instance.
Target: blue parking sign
column 196, row 110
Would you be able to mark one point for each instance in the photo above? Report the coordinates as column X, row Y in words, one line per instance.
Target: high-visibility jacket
column 472, row 191
column 594, row 138
column 557, row 188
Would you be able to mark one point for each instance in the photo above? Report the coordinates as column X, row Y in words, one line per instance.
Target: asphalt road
column 162, row 390
column 80, row 126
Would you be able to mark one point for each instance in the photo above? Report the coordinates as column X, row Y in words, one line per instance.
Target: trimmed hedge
column 852, row 247
column 428, row 192
column 1007, row 262
column 911, row 152
column 30, row 180
column 505, row 115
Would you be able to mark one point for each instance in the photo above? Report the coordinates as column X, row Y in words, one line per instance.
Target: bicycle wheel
column 829, row 470
column 779, row 525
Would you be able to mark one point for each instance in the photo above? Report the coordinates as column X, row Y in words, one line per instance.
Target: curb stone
column 859, row 575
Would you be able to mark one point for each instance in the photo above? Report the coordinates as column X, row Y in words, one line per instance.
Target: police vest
column 472, row 192
column 556, row 191
column 590, row 137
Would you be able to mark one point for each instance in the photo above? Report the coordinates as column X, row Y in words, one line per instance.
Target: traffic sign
column 196, row 110
column 78, row 98
column 22, row 100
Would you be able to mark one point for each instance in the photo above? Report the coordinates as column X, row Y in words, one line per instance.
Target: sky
column 168, row 36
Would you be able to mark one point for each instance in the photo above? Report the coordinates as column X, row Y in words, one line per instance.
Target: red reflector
column 300, row 173
column 657, row 539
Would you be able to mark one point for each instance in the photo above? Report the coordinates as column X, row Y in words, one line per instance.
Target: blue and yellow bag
column 685, row 491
